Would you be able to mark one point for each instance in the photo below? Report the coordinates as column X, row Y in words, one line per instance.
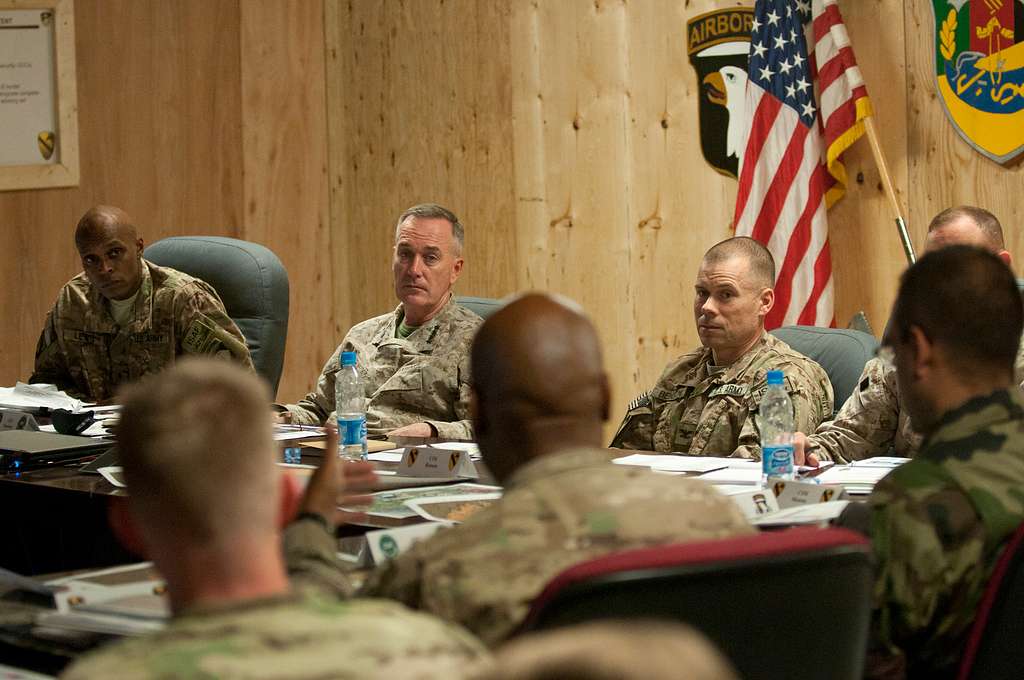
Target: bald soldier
column 124, row 317
column 873, row 421
column 413, row 361
column 211, row 524
column 706, row 402
column 564, row 502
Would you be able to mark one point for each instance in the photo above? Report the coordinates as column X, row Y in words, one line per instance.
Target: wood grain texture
column 420, row 105
column 284, row 161
column 944, row 169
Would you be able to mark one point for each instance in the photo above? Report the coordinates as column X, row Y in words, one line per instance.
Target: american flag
column 804, row 108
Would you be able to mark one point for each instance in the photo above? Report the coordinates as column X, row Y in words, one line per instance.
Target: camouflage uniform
column 873, row 422
column 296, row 636
column 423, row 378
column 695, row 410
column 83, row 351
column 938, row 524
column 557, row 510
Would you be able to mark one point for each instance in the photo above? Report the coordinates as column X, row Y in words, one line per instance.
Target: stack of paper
column 37, row 397
column 857, row 478
column 674, row 463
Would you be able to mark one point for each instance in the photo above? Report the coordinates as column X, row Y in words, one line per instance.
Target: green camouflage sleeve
column 637, row 428
column 50, row 363
column 205, row 327
column 867, row 423
column 927, row 541
column 311, row 555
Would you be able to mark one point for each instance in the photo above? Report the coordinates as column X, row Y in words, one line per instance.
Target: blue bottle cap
column 348, row 358
column 774, row 377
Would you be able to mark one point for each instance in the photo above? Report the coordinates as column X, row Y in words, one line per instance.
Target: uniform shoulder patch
column 201, row 337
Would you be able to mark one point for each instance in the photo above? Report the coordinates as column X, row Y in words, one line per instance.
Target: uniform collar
column 562, row 461
column 142, row 313
column 972, row 416
column 736, row 368
column 421, row 339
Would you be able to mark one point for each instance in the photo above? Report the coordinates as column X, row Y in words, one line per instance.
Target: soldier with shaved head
column 706, row 402
column 124, row 317
column 540, row 398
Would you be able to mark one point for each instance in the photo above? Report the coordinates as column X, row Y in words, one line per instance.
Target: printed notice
column 28, row 112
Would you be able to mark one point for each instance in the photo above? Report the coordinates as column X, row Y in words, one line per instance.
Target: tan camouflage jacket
column 937, row 525
column 297, row 636
column 84, row 352
column 873, row 421
column 423, row 378
column 557, row 510
column 692, row 410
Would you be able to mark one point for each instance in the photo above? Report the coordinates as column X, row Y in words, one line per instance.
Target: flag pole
column 890, row 191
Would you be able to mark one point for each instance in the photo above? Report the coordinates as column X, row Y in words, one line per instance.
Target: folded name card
column 790, row 493
column 424, row 461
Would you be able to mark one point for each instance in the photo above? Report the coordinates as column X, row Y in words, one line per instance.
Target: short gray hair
column 431, row 211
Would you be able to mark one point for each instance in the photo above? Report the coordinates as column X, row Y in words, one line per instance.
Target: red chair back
column 786, row 604
column 994, row 648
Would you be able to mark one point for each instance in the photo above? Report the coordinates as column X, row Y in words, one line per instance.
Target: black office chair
column 250, row 280
column 994, row 648
column 842, row 352
column 787, row 604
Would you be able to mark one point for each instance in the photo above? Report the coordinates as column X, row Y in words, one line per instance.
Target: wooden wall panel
column 945, row 170
column 867, row 257
column 159, row 133
column 419, row 98
column 284, row 160
column 613, row 203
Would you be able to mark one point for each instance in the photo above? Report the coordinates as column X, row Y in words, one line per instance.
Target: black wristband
column 316, row 517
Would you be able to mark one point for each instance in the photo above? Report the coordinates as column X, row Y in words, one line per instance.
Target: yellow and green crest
column 979, row 67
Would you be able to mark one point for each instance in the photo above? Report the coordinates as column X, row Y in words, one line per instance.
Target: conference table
column 57, row 516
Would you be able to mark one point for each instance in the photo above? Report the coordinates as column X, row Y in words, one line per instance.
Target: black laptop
column 25, row 449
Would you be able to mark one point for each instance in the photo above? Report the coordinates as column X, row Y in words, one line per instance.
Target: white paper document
column 37, row 396
column 741, row 474
column 673, row 463
column 855, row 479
column 389, row 456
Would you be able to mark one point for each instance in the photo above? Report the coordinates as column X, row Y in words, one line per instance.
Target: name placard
column 427, row 461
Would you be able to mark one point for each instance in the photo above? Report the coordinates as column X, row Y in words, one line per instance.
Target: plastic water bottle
column 349, row 405
column 776, row 430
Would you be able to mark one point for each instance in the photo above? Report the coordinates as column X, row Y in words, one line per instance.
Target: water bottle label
column 352, row 431
column 777, row 460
